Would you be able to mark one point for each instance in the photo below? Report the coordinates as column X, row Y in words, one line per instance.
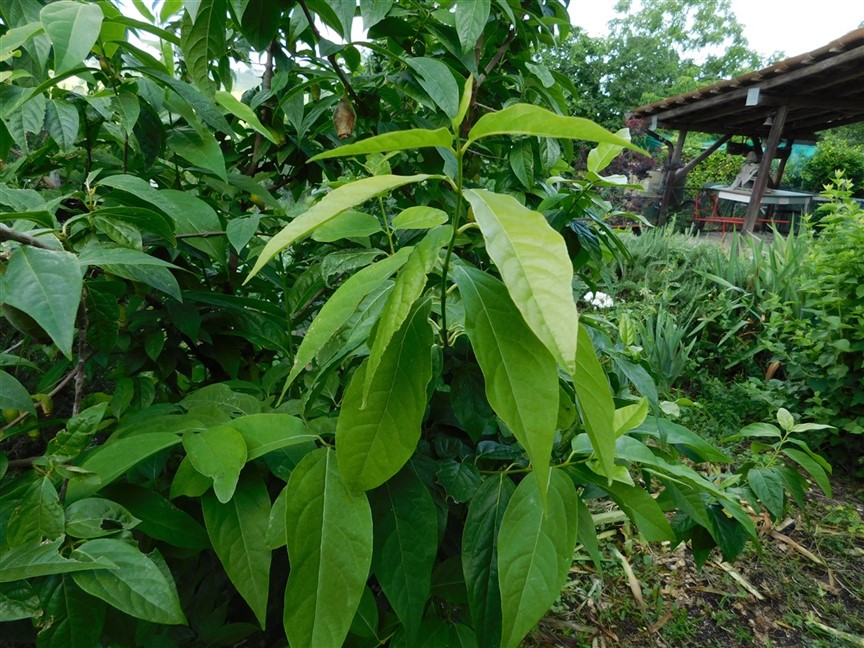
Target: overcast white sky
column 791, row 26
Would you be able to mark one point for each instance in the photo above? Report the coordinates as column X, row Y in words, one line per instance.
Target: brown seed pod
column 344, row 118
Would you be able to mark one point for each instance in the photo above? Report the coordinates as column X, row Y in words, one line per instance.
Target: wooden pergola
column 791, row 100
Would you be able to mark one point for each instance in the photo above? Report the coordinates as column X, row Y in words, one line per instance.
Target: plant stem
column 446, row 268
column 9, row 234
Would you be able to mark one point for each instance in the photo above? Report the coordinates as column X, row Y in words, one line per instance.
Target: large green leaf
column 112, row 460
column 438, row 82
column 471, row 17
column 37, row 517
column 341, row 305
column 76, row 618
column 329, row 538
column 202, row 40
column 102, row 255
column 534, row 264
column 419, row 217
column 767, row 484
column 200, row 148
column 73, row 28
column 265, row 433
column 525, row 119
column 811, row 466
column 409, row 286
column 535, row 551
column 15, row 38
column 406, row 542
column 45, row 284
column 18, row 601
column 393, row 141
column 374, row 441
column 219, row 453
column 61, row 119
column 520, row 374
column 13, row 395
column 602, row 155
column 260, row 22
column 203, row 107
column 595, row 401
column 34, row 560
column 155, row 276
column 348, row 224
column 237, row 531
column 96, row 517
column 480, row 556
column 333, row 204
column 137, row 586
column 374, row 11
column 240, row 110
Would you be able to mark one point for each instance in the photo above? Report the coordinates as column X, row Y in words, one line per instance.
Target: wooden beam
column 803, row 101
column 782, row 167
column 687, row 168
column 764, row 173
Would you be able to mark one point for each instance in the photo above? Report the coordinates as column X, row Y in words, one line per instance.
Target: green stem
column 446, row 268
column 388, row 230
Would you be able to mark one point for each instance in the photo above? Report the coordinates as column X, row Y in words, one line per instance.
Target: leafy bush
column 832, row 154
column 718, row 168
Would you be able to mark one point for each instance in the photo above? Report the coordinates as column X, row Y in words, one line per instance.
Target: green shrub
column 833, row 154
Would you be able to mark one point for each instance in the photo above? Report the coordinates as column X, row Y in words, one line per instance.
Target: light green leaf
column 535, row 551
column 200, row 148
column 675, row 434
column 329, row 537
column 342, row 198
column 188, row 482
column 46, row 285
column 33, row 561
column 13, row 395
column 755, row 431
column 62, row 123
column 241, row 230
column 374, row 11
column 202, row 39
column 595, row 402
column 767, row 484
column 542, row 73
column 785, row 419
column 218, row 453
column 464, row 102
column 471, row 17
column 393, row 141
column 110, row 461
column 276, row 524
column 237, row 531
column 375, row 441
column 406, row 542
column 630, row 416
column 522, row 162
column 534, row 264
column 480, row 556
column 409, row 286
column 137, row 586
column 419, row 217
column 240, row 110
column 18, row 601
column 348, row 224
column 438, row 82
column 520, row 374
column 37, row 517
column 265, row 433
column 602, row 155
column 525, row 119
column 76, row 618
column 103, row 255
column 87, row 518
column 73, row 28
column 812, row 467
column 15, row 38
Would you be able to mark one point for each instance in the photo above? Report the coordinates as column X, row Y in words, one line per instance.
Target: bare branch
column 9, row 234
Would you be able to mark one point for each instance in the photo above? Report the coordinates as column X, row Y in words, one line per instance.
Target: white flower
column 598, row 299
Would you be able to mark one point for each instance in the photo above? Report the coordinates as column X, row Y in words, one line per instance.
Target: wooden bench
column 714, row 216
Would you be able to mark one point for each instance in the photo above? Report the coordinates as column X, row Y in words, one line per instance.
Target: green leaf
column 630, row 416
column 37, row 517
column 438, row 82
column 348, row 224
column 137, row 586
column 276, row 524
column 154, row 276
column 18, row 601
column 785, row 419
column 259, row 23
column 812, row 467
column 525, row 119
column 406, row 542
column 202, row 39
column 146, row 220
column 675, row 434
column 535, row 551
column 237, row 530
column 341, row 305
column 13, row 395
column 219, row 453
column 755, row 431
column 241, row 230
column 265, row 433
column 522, row 162
column 76, row 619
column 128, row 110
column 767, row 484
column 62, row 123
column 464, row 102
column 240, row 110
column 365, row 623
column 460, row 479
column 419, row 217
column 602, row 155
column 587, row 535
column 73, row 28
column 329, row 537
column 110, row 461
column 342, row 198
column 87, row 518
column 533, row 261
column 374, row 441
column 33, row 561
column 471, row 17
column 480, row 556
column 203, row 107
column 407, row 290
column 15, row 38
column 595, row 401
column 158, row 517
column 189, row 482
column 520, row 375
column 200, row 148
column 103, row 255
column 393, row 141
column 46, row 285
column 374, row 11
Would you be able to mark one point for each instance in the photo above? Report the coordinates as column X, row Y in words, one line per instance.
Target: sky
column 791, row 26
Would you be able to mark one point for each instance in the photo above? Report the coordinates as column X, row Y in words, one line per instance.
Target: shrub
column 833, row 154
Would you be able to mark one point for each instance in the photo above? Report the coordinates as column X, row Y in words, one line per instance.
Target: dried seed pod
column 344, row 118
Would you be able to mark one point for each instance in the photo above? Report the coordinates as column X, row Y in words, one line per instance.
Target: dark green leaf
column 200, row 148
column 471, row 17
column 202, row 39
column 767, row 484
column 34, row 560
column 438, row 82
column 13, row 395
column 94, row 517
column 811, row 466
column 220, row 454
column 460, row 480
column 18, row 601
column 73, row 618
column 62, row 122
column 37, row 517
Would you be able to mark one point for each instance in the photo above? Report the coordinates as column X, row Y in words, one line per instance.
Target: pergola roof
column 822, row 89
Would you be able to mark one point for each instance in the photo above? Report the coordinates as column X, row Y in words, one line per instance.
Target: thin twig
column 9, row 234
column 79, row 368
column 265, row 114
column 65, row 381
column 331, row 58
column 199, row 235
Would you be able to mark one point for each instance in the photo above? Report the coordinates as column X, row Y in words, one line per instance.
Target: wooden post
column 669, row 180
column 779, row 176
column 764, row 173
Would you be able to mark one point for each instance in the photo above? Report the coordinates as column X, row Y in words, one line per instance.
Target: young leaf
column 535, row 550
column 137, row 586
column 406, row 541
column 419, row 217
column 240, row 110
column 237, row 530
column 435, row 78
column 329, row 537
column 480, row 556
column 219, row 453
column 46, row 285
column 533, row 261
column 630, row 416
column 37, row 517
column 374, row 441
column 76, row 618
column 602, row 155
column 394, row 141
column 73, row 28
column 330, row 206
column 471, row 17
column 595, row 401
column 464, row 102
column 265, row 433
